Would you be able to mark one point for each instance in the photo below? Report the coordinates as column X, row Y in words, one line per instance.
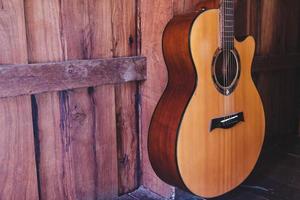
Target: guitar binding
column 224, row 86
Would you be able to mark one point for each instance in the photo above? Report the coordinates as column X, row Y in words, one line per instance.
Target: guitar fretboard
column 227, row 24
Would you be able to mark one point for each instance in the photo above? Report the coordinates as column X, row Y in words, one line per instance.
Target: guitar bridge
column 227, row 122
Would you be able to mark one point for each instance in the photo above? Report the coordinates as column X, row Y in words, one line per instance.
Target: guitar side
column 182, row 80
column 183, row 151
column 164, row 126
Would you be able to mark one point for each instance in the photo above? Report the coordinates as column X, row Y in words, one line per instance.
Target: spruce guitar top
column 207, row 130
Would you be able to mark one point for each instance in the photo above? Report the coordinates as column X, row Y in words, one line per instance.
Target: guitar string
column 232, row 43
column 228, row 37
column 229, row 53
column 226, row 51
column 226, row 54
column 233, row 63
column 226, row 71
column 222, row 22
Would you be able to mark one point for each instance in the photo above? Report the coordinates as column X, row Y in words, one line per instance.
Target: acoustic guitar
column 207, row 130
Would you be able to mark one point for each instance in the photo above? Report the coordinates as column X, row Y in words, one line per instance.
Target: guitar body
column 185, row 148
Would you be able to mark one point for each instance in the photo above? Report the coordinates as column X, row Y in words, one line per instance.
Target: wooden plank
column 106, row 143
column 78, row 148
column 125, row 44
column 127, row 137
column 45, row 45
column 270, row 29
column 143, row 193
column 154, row 17
column 18, row 178
column 292, row 36
column 180, row 7
column 100, row 15
column 125, row 197
column 276, row 63
column 46, row 77
column 38, row 78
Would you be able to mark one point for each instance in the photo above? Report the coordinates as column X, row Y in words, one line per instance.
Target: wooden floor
column 276, row 177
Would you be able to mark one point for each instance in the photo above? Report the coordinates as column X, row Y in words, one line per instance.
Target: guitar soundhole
column 226, row 71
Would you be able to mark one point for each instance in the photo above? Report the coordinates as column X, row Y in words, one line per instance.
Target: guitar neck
column 227, row 24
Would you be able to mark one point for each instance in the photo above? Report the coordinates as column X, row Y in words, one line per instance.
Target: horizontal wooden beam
column 276, row 62
column 24, row 79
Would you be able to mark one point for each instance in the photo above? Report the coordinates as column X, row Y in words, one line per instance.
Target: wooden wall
column 276, row 27
column 91, row 143
column 75, row 144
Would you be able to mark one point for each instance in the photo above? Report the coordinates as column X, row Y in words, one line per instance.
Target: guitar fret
column 227, row 24
column 227, row 34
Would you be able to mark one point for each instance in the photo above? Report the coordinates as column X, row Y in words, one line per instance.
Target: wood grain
column 276, row 63
column 18, row 178
column 84, row 164
column 45, row 45
column 275, row 77
column 252, row 18
column 48, row 77
column 101, row 26
column 61, row 30
column 154, row 17
column 162, row 137
column 125, row 44
column 45, row 77
column 277, row 36
column 181, row 7
column 220, row 163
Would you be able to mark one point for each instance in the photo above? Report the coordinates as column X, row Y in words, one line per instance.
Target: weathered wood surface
column 276, row 63
column 76, row 128
column 46, row 77
column 101, row 41
column 141, row 193
column 52, row 123
column 18, row 179
column 125, row 44
column 93, row 131
column 65, row 122
column 154, row 16
column 276, row 31
column 57, row 76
